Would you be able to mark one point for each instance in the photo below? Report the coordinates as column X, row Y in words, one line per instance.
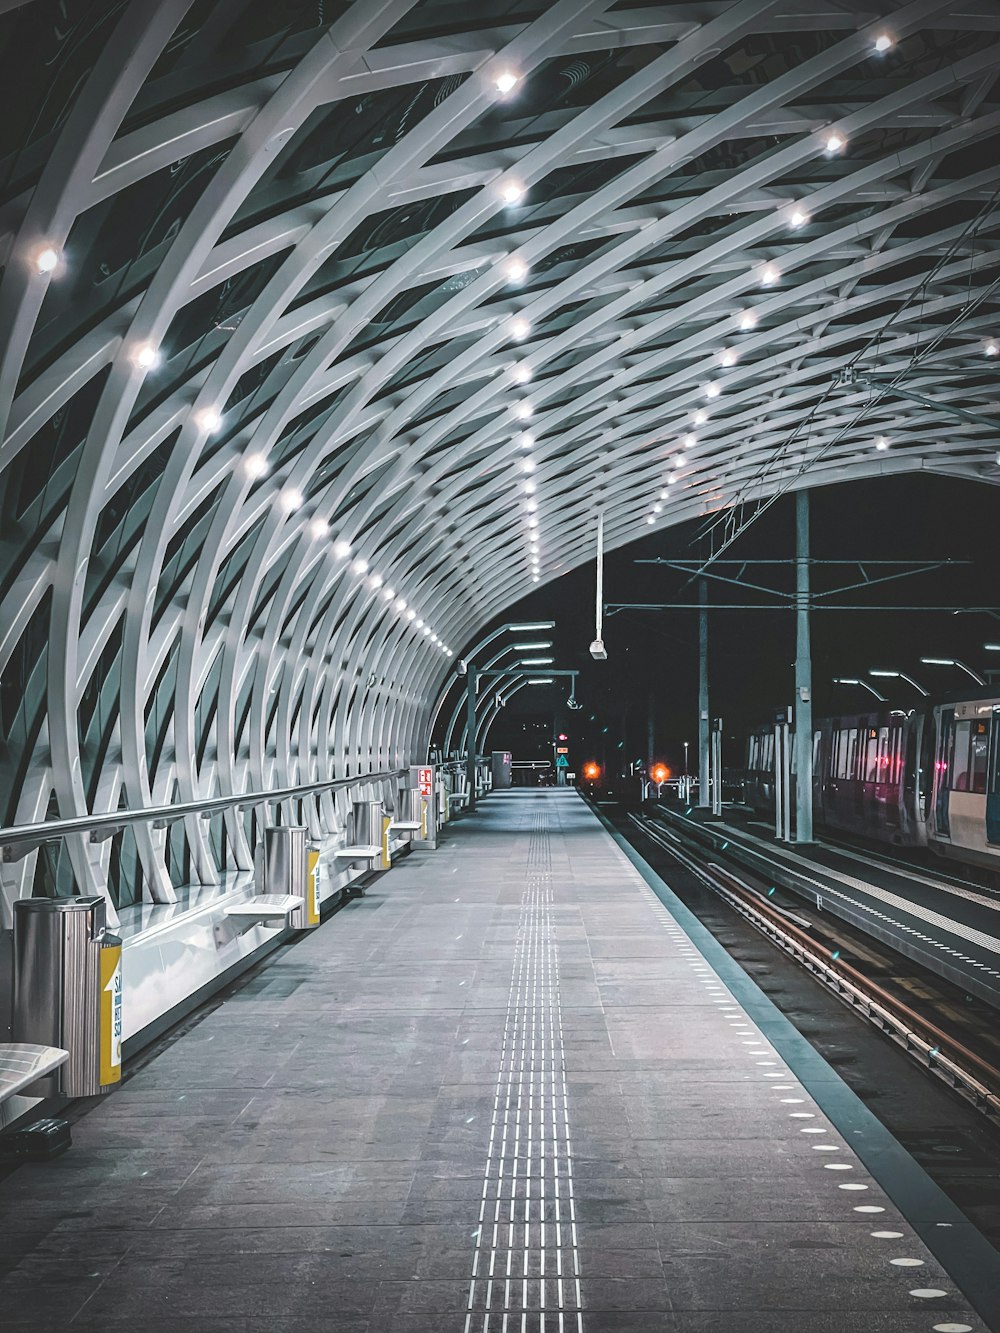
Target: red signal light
column 591, row 771
column 659, row 773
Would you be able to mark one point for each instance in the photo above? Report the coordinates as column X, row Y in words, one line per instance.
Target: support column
column 470, row 734
column 803, row 677
column 703, row 719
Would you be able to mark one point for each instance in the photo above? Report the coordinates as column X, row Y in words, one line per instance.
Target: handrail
column 114, row 820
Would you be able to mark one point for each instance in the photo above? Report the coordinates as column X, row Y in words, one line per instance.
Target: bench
column 366, row 852
column 265, row 907
column 22, row 1063
column 405, row 826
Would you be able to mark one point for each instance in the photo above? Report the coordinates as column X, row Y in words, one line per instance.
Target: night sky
column 652, row 656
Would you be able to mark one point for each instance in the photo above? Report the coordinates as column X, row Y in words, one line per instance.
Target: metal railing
column 18, row 839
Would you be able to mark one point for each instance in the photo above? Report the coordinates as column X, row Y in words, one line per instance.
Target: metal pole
column 703, row 718
column 803, row 677
column 779, row 769
column 470, row 735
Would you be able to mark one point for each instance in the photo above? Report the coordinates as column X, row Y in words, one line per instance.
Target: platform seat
column 22, row 1063
column 266, row 907
column 364, row 852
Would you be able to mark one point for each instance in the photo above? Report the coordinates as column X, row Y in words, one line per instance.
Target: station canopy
column 326, row 330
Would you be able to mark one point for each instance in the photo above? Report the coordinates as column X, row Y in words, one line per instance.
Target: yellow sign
column 111, row 1011
column 312, row 887
column 386, row 854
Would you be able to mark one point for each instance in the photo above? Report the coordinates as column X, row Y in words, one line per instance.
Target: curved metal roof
column 435, row 283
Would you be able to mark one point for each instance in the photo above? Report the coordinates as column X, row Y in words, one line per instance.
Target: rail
column 21, row 837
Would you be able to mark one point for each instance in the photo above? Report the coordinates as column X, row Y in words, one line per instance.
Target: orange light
column 591, row 772
column 659, row 773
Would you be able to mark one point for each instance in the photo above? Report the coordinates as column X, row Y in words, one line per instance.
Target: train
column 928, row 778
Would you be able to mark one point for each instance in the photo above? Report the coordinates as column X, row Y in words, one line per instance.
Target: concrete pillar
column 470, row 734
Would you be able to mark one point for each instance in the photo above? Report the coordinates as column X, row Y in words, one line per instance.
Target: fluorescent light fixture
column 532, row 647
column 537, row 661
column 540, row 680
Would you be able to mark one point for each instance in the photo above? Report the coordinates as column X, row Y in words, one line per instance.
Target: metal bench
column 366, row 852
column 266, row 907
column 21, row 1064
column 405, row 826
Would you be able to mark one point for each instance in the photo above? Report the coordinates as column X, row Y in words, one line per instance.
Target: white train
column 929, row 778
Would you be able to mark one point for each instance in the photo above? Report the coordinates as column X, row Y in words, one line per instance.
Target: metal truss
column 321, row 342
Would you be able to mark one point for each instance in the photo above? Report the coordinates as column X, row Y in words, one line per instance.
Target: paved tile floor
column 502, row 1092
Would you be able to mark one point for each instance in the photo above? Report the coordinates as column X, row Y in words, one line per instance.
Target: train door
column 942, row 767
column 993, row 782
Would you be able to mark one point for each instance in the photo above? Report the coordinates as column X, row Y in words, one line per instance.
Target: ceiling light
column 881, row 443
column 689, row 441
column 537, row 578
column 799, row 218
column 512, row 192
column 650, row 519
column 46, row 259
column 657, row 509
column 419, row 625
column 523, row 410
column 506, row 82
column 359, row 566
column 531, row 505
column 671, row 480
column 290, row 499
column 400, row 604
column 748, row 320
column 769, row 275
column 992, row 348
column 375, row 581
column 319, row 527
column 527, row 465
column 342, row 549
column 834, row 142
column 529, row 487
column 389, row 594
column 516, row 269
column 664, row 494
column 146, row 356
column 520, row 328
column 256, row 465
column 699, row 417
column 411, row 614
column 678, row 461
column 883, row 43
column 526, row 440
column 521, row 373
column 727, row 357
column 209, row 420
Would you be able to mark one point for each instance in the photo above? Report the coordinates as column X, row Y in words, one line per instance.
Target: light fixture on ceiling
column 209, row 420
column 526, row 440
column 799, row 218
column 748, row 320
column 834, row 143
column 319, row 527
column 992, row 347
column 341, row 549
column 769, row 275
column 359, row 566
column 727, row 357
column 519, row 328
column 146, row 356
column 523, row 410
column 47, row 259
column 512, row 193
column 516, row 269
column 521, row 373
column 689, row 441
column 256, row 465
column 881, row 443
column 506, row 82
column 883, row 43
column 290, row 499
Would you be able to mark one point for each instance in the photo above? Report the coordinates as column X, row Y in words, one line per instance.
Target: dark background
column 652, row 666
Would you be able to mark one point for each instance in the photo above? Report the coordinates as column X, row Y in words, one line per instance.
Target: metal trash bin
column 369, row 829
column 290, row 865
column 68, row 992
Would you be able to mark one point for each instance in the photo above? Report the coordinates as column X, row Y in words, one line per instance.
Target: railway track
column 949, row 1034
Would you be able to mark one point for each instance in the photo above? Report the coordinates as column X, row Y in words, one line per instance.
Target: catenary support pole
column 703, row 719
column 803, row 677
column 470, row 734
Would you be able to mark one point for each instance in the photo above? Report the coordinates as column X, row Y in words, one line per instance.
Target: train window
column 978, row 756
column 884, row 771
column 869, row 771
column 959, row 766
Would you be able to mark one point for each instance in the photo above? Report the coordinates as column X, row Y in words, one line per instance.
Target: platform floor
column 506, row 1082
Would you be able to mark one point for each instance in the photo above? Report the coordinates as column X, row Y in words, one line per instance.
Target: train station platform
column 516, row 1086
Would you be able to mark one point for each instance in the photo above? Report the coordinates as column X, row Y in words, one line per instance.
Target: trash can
column 68, row 992
column 290, row 865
